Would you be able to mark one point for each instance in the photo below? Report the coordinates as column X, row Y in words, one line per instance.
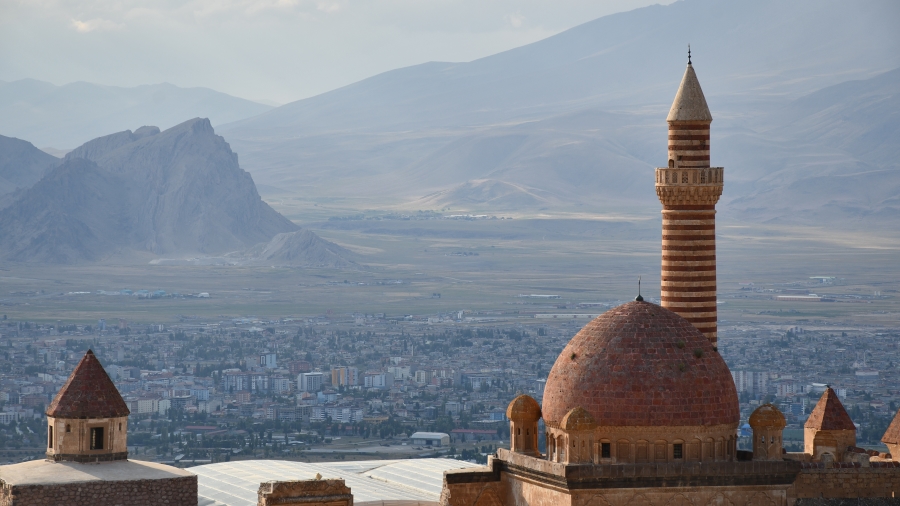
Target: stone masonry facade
column 518, row 479
column 180, row 491
column 877, row 480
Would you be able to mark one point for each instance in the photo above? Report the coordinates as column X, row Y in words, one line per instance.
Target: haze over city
column 377, row 242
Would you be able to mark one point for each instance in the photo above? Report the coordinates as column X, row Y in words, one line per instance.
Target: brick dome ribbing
column 641, row 365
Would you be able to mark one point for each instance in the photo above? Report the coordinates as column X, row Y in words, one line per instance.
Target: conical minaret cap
column 689, row 104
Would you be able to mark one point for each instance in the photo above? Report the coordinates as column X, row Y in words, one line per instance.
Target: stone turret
column 523, row 413
column 578, row 426
column 689, row 189
column 768, row 424
column 829, row 429
column 88, row 419
column 891, row 437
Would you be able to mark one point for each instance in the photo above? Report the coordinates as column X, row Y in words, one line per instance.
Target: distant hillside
column 179, row 191
column 829, row 158
column 300, row 249
column 66, row 116
column 487, row 193
column 22, row 164
column 580, row 116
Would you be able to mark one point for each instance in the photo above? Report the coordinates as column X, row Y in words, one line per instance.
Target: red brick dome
column 641, row 365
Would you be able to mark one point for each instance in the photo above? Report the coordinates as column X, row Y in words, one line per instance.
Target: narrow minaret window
column 689, row 211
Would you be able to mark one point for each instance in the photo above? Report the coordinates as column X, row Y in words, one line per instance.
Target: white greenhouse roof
column 371, row 481
column 429, row 435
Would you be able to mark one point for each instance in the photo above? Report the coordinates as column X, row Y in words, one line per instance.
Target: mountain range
column 173, row 192
column 66, row 116
column 22, row 164
column 577, row 121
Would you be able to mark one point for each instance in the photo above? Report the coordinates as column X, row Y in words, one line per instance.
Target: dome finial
column 639, row 298
column 689, row 54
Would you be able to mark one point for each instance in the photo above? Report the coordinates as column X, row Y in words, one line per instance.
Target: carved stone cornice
column 689, row 186
column 689, row 195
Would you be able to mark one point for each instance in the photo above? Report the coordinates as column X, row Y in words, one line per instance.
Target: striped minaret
column 689, row 189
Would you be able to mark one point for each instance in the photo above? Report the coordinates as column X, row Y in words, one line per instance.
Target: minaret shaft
column 689, row 189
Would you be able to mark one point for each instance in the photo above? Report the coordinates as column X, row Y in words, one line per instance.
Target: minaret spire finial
column 689, row 54
column 639, row 298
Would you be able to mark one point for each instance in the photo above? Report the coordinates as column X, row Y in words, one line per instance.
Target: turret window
column 671, row 163
column 49, row 436
column 96, row 438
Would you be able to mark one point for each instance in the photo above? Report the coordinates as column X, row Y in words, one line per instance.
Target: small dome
column 640, row 364
column 523, row 409
column 767, row 416
column 578, row 419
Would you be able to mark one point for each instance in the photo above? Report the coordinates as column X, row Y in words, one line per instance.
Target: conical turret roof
column 892, row 434
column 689, row 104
column 89, row 393
column 829, row 414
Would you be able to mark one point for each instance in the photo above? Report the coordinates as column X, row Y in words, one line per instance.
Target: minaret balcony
column 689, row 186
column 689, row 176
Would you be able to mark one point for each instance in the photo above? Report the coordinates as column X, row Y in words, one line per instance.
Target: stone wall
column 480, row 486
column 815, row 481
column 866, row 501
column 181, row 491
column 305, row 492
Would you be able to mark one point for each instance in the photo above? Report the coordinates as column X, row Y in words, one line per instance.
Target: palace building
column 641, row 409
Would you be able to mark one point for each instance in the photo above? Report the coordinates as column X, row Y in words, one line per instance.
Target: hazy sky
column 277, row 50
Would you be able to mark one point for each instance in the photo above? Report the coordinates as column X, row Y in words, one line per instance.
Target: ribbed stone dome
column 641, row 365
column 767, row 416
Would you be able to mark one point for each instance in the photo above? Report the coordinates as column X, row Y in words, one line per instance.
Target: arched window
column 659, row 454
column 671, row 163
column 623, row 451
